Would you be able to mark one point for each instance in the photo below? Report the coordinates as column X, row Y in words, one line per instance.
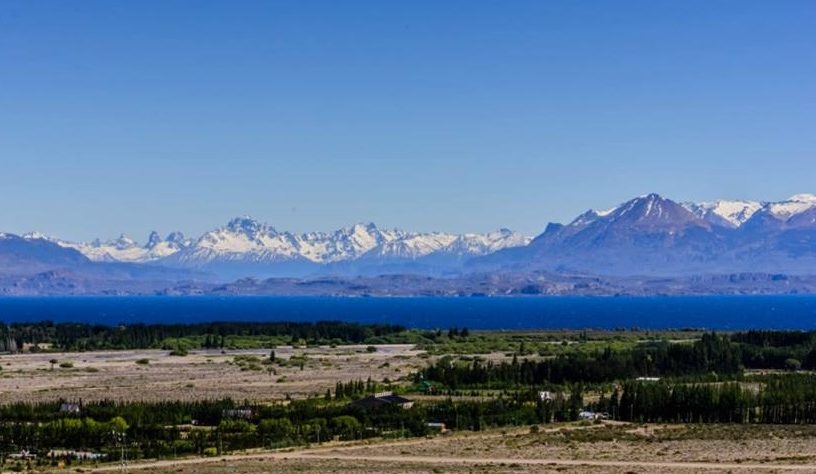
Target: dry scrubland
column 611, row 447
column 316, row 466
column 647, row 443
column 205, row 374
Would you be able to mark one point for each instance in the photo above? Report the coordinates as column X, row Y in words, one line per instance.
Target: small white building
column 591, row 415
column 72, row 408
column 22, row 455
column 73, row 454
column 243, row 413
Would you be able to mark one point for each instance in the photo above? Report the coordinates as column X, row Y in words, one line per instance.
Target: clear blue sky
column 428, row 115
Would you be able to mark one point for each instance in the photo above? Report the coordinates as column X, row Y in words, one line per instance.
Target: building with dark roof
column 382, row 399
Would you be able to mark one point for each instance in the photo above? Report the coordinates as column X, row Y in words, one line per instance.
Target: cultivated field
column 154, row 375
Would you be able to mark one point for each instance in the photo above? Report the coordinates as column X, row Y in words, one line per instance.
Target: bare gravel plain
column 612, row 447
column 206, row 374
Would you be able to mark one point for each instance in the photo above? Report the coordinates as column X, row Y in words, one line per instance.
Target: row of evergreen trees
column 78, row 336
column 712, row 353
column 173, row 428
column 164, row 429
column 788, row 399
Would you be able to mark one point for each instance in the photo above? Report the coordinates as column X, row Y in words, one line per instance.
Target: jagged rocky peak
column 364, row 236
column 553, row 227
column 650, row 210
column 361, row 229
column 649, row 205
column 123, row 242
column 646, row 207
column 365, row 227
column 153, row 240
column 174, row 240
column 176, row 237
column 248, row 226
column 244, row 238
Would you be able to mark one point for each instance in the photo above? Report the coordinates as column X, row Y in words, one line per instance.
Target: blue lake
column 711, row 312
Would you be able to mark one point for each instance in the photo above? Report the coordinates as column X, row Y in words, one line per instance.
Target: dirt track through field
column 338, row 453
column 551, row 462
column 430, row 461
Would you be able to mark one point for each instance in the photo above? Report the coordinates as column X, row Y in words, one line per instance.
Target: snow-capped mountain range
column 724, row 212
column 244, row 239
column 122, row 249
column 735, row 213
column 647, row 235
column 652, row 235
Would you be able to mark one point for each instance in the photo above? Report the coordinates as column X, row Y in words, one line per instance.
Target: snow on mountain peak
column 122, row 249
column 648, row 203
column 794, row 205
column 732, row 213
column 651, row 209
column 249, row 226
column 803, row 197
column 586, row 218
column 483, row 244
column 244, row 239
column 123, row 242
column 606, row 212
column 38, row 236
column 177, row 238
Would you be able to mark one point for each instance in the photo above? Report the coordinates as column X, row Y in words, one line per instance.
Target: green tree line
column 788, row 399
column 86, row 337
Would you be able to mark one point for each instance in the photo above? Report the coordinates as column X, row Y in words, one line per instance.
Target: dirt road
column 431, row 461
column 341, row 453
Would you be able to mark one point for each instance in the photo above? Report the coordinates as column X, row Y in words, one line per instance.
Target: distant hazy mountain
column 247, row 241
column 22, row 256
column 38, row 266
column 723, row 212
column 734, row 213
column 246, row 247
column 652, row 235
column 647, row 235
column 122, row 249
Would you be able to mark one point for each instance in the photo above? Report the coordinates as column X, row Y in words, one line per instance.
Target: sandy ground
column 609, row 443
column 611, row 447
column 400, row 465
column 200, row 375
column 522, row 451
